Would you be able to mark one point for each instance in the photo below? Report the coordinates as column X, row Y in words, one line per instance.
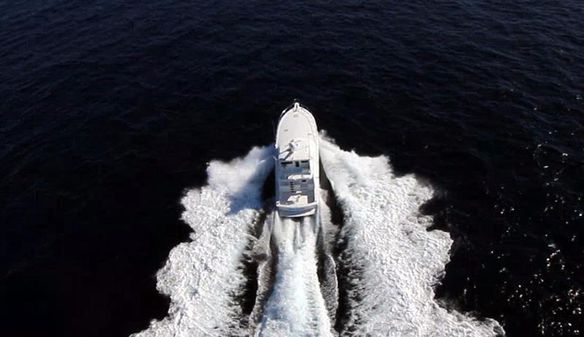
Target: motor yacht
column 297, row 163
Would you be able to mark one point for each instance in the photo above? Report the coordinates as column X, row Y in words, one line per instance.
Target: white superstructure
column 297, row 165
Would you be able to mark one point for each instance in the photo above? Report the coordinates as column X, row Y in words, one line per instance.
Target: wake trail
column 394, row 262
column 295, row 306
column 390, row 261
column 201, row 276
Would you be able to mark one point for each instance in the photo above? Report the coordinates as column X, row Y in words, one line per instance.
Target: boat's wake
column 202, row 276
column 390, row 261
column 295, row 306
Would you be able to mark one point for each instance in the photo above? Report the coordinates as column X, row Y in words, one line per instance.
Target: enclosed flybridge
column 297, row 166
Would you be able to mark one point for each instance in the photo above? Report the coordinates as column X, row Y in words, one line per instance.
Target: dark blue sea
column 110, row 110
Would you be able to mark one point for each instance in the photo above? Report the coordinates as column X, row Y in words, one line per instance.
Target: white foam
column 399, row 260
column 296, row 306
column 200, row 276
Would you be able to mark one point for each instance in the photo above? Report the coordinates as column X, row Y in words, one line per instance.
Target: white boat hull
column 297, row 163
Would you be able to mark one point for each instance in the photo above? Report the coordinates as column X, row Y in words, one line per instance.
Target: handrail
column 294, row 104
column 305, row 206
